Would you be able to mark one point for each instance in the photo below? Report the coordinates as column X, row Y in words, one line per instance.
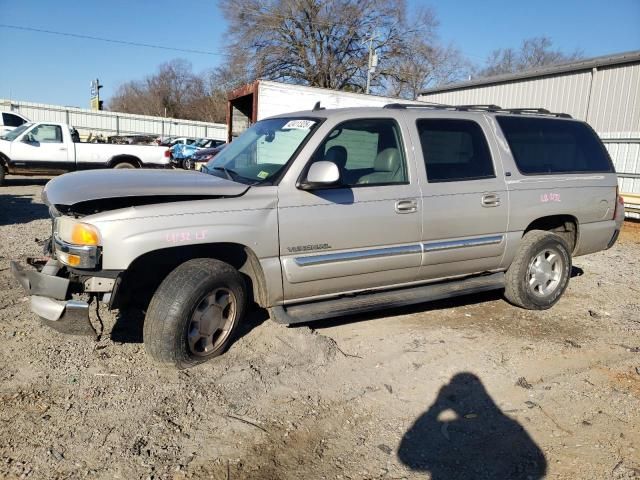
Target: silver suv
column 327, row 213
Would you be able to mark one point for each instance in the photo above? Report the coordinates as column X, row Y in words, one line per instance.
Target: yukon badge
column 309, row 248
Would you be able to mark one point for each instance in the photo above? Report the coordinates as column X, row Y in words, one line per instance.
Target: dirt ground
column 471, row 388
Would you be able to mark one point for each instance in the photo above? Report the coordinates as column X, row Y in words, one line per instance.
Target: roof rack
column 490, row 107
column 485, row 108
column 395, row 106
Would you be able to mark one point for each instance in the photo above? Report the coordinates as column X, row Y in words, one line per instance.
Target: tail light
column 619, row 203
column 167, row 153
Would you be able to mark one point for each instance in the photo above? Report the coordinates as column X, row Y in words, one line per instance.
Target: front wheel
column 194, row 313
column 539, row 274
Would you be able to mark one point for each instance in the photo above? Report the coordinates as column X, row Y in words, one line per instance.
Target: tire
column 540, row 271
column 124, row 165
column 186, row 164
column 3, row 173
column 194, row 313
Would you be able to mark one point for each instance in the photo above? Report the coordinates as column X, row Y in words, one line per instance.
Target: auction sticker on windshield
column 299, row 124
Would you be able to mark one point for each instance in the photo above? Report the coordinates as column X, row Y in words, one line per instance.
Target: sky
column 46, row 68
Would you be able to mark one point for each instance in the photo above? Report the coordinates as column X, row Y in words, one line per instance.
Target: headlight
column 77, row 233
column 203, row 158
column 76, row 243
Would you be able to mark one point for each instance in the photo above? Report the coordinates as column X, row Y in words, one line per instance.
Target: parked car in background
column 182, row 141
column 165, row 141
column 180, row 153
column 10, row 120
column 201, row 157
column 49, row 148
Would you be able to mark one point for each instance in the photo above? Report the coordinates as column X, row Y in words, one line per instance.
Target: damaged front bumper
column 49, row 300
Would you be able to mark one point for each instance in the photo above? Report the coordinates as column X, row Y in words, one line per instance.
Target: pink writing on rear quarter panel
column 186, row 236
column 549, row 197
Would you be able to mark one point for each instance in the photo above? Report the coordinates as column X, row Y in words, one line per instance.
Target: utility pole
column 373, row 63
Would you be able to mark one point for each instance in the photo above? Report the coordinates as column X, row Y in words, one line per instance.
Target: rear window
column 543, row 146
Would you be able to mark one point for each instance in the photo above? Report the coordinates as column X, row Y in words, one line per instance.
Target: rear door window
column 547, row 146
column 454, row 150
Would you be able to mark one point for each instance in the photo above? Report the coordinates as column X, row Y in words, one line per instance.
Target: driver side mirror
column 322, row 174
column 28, row 138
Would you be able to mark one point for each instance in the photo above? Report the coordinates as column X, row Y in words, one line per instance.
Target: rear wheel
column 124, row 165
column 540, row 272
column 2, row 174
column 187, row 164
column 194, row 313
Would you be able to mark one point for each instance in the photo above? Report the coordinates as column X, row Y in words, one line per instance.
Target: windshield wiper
column 232, row 174
column 226, row 171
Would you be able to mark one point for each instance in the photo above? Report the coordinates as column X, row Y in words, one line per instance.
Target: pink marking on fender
column 185, row 236
column 550, row 197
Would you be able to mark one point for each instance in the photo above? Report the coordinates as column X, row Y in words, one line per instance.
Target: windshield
column 260, row 153
column 201, row 143
column 16, row 132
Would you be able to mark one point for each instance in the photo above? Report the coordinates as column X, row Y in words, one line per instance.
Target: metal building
column 604, row 91
column 114, row 123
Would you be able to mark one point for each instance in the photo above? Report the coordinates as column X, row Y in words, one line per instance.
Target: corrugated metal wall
column 608, row 98
column 563, row 93
column 114, row 123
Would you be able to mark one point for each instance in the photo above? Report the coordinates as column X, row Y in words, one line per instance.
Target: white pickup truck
column 50, row 148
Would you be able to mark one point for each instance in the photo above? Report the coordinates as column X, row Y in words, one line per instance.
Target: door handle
column 490, row 200
column 406, row 206
column 62, row 149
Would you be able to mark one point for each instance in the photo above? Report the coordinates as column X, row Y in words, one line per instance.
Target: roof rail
column 490, row 107
column 485, row 108
column 540, row 111
column 402, row 106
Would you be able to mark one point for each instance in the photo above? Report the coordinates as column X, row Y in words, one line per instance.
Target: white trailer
column 263, row 99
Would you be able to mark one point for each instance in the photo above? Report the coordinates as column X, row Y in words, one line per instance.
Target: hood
column 100, row 190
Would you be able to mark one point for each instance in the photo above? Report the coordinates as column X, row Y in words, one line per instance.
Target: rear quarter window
column 546, row 146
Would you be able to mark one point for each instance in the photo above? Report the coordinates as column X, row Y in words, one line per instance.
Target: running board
column 371, row 301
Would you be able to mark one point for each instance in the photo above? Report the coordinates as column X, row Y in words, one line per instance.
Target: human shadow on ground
column 465, row 435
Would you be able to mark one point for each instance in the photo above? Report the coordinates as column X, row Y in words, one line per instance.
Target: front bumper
column 48, row 294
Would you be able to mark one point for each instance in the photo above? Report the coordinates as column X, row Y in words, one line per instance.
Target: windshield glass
column 261, row 152
column 15, row 133
column 201, row 143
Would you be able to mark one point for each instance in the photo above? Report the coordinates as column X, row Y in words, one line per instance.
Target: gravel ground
column 469, row 388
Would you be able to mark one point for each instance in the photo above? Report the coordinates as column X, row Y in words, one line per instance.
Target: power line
column 110, row 40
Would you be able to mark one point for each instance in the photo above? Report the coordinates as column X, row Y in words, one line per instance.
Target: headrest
column 337, row 154
column 388, row 160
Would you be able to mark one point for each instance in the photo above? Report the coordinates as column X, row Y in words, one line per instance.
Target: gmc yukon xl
column 327, row 213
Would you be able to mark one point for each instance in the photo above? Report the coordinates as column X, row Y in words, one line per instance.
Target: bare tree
column 174, row 91
column 533, row 52
column 423, row 62
column 325, row 43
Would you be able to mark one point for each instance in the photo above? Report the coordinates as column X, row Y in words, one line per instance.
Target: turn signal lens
column 83, row 234
column 77, row 233
column 69, row 259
